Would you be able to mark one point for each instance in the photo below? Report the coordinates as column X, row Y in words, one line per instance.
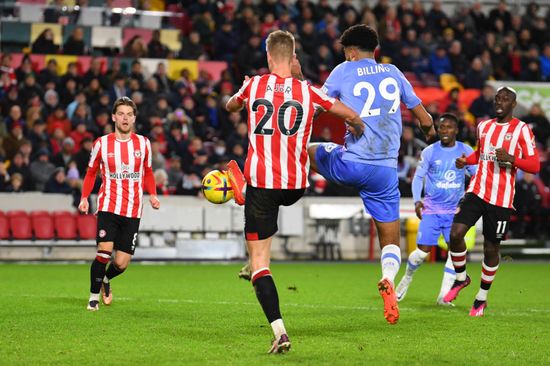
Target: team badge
column 102, row 233
column 137, row 154
column 508, row 136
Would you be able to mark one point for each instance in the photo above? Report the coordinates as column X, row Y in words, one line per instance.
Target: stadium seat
column 107, row 37
column 20, row 225
column 30, row 13
column 86, row 225
column 15, row 32
column 150, row 21
column 91, row 16
column 4, row 226
column 62, row 62
column 448, row 82
column 42, row 225
column 171, row 39
column 65, row 225
column 175, row 67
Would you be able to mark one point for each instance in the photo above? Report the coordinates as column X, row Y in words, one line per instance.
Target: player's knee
column 121, row 264
column 456, row 236
column 490, row 250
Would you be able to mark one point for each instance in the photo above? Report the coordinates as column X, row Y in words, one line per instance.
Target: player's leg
column 124, row 245
column 380, row 194
column 261, row 212
column 426, row 239
column 106, row 233
column 495, row 224
column 449, row 274
column 469, row 210
column 237, row 181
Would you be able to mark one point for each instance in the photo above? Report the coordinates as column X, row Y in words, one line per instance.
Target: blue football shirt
column 443, row 181
column 375, row 91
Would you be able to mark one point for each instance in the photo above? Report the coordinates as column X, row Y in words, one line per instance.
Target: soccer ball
column 216, row 187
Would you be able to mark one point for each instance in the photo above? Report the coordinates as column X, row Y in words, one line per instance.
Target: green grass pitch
column 192, row 314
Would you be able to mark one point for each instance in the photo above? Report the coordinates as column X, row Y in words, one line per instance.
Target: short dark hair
column 361, row 36
column 450, row 117
column 124, row 101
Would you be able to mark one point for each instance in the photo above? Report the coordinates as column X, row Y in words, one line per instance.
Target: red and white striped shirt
column 280, row 118
column 124, row 165
column 495, row 182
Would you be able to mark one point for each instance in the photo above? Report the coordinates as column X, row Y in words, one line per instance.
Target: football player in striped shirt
column 124, row 159
column 505, row 144
column 280, row 117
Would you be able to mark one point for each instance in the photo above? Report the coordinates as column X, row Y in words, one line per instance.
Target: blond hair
column 280, row 45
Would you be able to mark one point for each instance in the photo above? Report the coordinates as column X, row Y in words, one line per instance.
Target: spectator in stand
column 135, row 48
column 118, row 89
column 501, row 13
column 189, row 185
column 18, row 165
column 41, row 169
column 411, row 147
column 155, row 48
column 483, row 107
column 439, row 62
column 51, row 101
column 459, row 64
column 44, row 43
column 49, row 74
column 177, row 144
column 161, row 178
column 57, row 183
column 29, row 89
column 163, row 80
column 75, row 45
column 539, row 124
column 14, row 140
column 474, row 78
column 226, row 42
column 545, row 63
column 191, row 47
column 251, row 57
column 158, row 159
column 16, row 184
column 58, row 120
column 174, row 172
column 65, row 156
column 82, row 157
column 528, row 203
column 38, row 136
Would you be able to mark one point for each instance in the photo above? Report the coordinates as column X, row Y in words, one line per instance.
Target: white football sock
column 390, row 259
column 416, row 258
column 94, row 297
column 278, row 328
column 449, row 276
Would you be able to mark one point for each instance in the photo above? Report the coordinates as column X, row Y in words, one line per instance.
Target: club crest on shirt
column 508, row 136
column 102, row 233
column 137, row 153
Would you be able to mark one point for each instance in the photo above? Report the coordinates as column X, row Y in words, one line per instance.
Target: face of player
column 447, row 131
column 505, row 102
column 124, row 119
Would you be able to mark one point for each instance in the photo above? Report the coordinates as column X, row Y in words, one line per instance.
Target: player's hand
column 155, row 203
column 461, row 162
column 418, row 207
column 356, row 129
column 83, row 206
column 430, row 134
column 503, row 156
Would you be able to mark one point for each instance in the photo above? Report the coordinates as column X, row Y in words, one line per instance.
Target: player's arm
column 529, row 162
column 418, row 182
column 354, row 122
column 472, row 168
column 89, row 179
column 464, row 160
column 425, row 120
column 236, row 102
column 149, row 177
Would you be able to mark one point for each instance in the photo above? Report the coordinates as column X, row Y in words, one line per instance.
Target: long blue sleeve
column 417, row 184
column 420, row 173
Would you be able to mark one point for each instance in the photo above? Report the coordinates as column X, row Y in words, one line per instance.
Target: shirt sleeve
column 149, row 178
column 408, row 96
column 333, row 82
column 420, row 173
column 529, row 160
column 320, row 99
column 95, row 155
column 243, row 93
column 91, row 173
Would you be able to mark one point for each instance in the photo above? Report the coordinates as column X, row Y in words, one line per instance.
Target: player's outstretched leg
column 449, row 276
column 390, row 260
column 97, row 272
column 238, row 182
column 416, row 258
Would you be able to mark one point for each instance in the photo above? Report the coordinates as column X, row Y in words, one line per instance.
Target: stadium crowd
column 48, row 122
